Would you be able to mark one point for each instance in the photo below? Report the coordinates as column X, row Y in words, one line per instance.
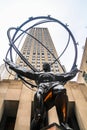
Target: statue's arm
column 67, row 76
column 21, row 71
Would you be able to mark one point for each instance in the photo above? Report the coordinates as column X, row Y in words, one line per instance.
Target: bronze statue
column 50, row 92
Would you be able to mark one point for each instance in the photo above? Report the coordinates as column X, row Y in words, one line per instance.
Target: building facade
column 82, row 77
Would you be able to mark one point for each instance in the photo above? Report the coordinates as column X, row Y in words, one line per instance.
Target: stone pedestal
column 53, row 126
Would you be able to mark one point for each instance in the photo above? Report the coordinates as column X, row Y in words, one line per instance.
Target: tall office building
column 16, row 98
column 36, row 53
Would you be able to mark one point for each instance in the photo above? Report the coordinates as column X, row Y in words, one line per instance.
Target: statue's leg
column 61, row 102
column 38, row 110
column 35, row 125
column 38, row 105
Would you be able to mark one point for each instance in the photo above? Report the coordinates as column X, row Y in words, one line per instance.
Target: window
column 34, row 53
column 42, row 53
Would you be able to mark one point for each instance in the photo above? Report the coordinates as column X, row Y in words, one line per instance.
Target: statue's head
column 46, row 67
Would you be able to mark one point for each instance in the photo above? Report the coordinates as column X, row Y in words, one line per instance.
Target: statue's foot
column 66, row 126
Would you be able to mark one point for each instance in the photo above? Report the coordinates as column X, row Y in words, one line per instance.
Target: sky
column 73, row 12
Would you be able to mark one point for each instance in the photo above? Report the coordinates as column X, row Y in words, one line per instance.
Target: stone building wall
column 83, row 66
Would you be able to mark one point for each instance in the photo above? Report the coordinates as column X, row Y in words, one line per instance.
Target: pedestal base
column 52, row 126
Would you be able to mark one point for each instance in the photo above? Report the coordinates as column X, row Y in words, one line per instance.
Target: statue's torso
column 46, row 77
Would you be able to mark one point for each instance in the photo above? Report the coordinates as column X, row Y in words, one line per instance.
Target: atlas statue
column 50, row 86
column 50, row 92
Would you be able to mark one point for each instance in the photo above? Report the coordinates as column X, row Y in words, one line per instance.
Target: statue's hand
column 11, row 64
column 75, row 70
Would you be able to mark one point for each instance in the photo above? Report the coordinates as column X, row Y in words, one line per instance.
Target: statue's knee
column 38, row 93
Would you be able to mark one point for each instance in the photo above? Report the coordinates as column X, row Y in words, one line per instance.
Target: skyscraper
column 36, row 52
